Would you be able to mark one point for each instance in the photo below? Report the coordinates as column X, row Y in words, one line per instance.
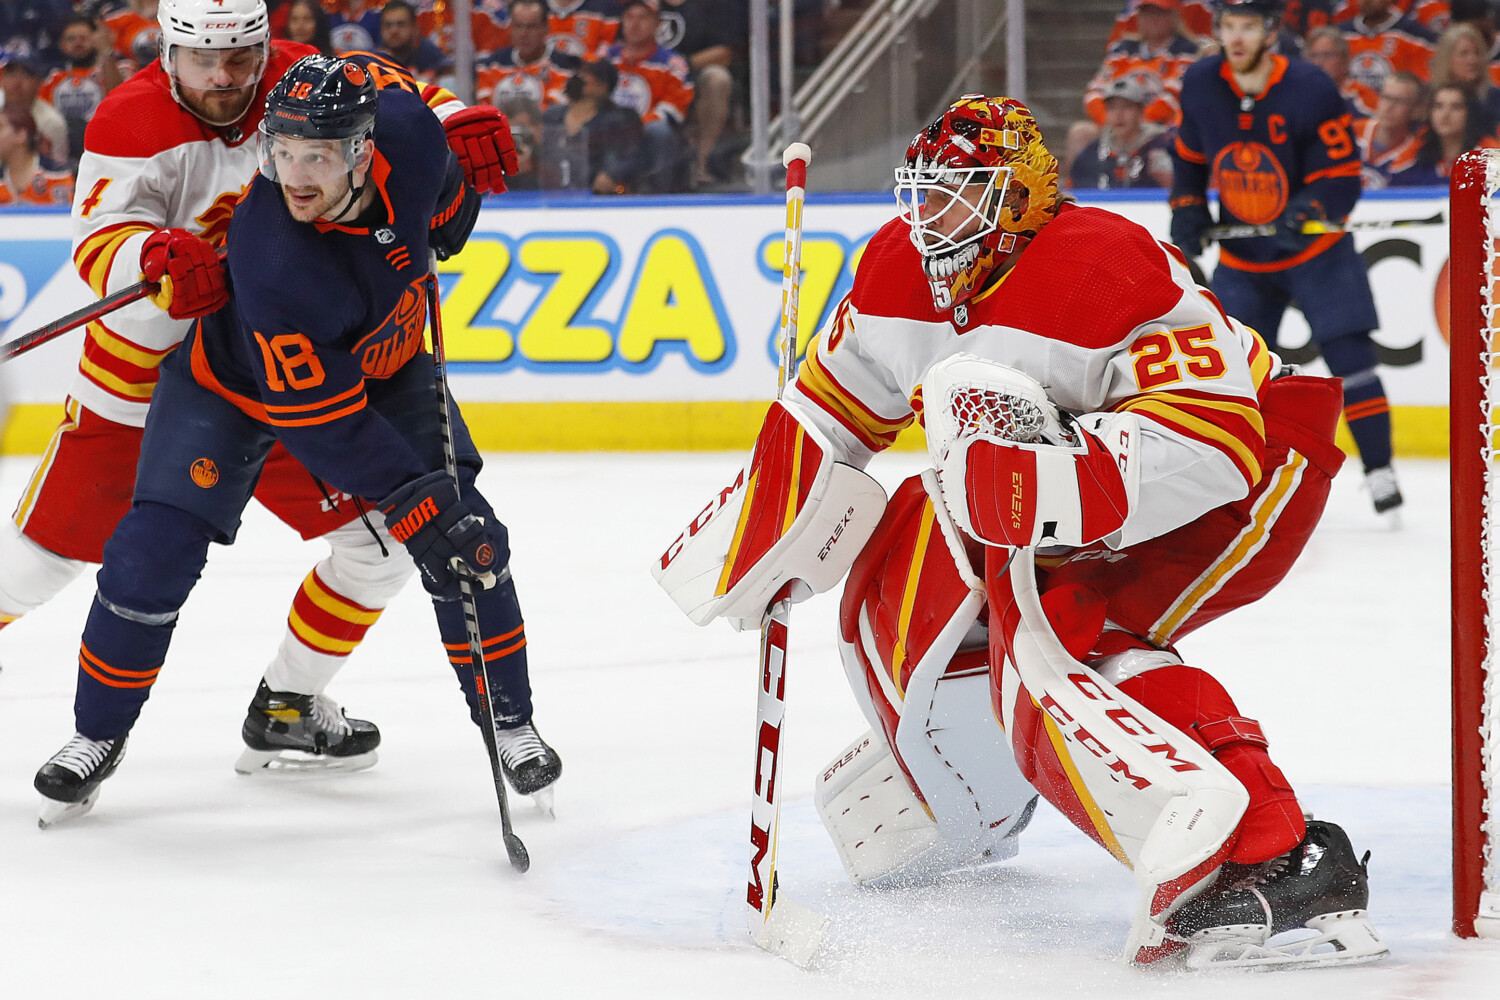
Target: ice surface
column 191, row 881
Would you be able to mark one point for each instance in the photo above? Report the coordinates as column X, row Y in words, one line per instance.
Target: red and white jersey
column 149, row 163
column 1096, row 310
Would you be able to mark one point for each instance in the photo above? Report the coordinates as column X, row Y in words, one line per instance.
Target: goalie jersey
column 319, row 310
column 1097, row 311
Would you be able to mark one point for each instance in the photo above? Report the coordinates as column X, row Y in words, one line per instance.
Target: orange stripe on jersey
column 204, row 375
column 1350, row 169
column 354, row 407
column 114, row 676
column 1176, row 416
column 96, row 253
column 1318, row 246
column 357, row 388
column 1191, row 155
column 876, row 432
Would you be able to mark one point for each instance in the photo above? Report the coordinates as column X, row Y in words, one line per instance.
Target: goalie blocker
column 794, row 515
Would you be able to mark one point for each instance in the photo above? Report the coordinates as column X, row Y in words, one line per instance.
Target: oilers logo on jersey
column 1252, row 182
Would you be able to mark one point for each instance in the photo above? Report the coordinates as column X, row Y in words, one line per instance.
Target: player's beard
column 318, row 203
column 1253, row 62
column 219, row 107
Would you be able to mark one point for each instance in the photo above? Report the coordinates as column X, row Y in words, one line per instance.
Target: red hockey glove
column 188, row 272
column 445, row 539
column 1030, row 494
column 480, row 137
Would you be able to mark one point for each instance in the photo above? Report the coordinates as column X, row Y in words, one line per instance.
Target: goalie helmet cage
column 1474, row 432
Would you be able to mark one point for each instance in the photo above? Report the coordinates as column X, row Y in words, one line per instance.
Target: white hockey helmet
column 213, row 24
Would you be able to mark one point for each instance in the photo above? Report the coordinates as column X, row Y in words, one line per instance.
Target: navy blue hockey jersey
column 1292, row 142
column 317, row 309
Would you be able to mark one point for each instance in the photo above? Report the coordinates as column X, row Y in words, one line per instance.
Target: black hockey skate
column 303, row 734
column 69, row 782
column 1307, row 907
column 530, row 766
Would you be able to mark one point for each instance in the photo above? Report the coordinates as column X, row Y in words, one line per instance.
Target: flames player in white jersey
column 165, row 160
column 1090, row 411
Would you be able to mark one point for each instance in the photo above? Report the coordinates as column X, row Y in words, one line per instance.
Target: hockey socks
column 150, row 565
column 1369, row 417
column 1198, row 705
column 503, row 634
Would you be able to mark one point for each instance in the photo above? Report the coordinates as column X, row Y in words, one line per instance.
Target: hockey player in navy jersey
column 321, row 347
column 1273, row 136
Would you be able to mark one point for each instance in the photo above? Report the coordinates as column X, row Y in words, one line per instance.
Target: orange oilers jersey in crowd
column 501, row 76
column 657, row 88
column 1379, row 165
column 76, row 92
column 1096, row 310
column 1374, row 55
column 46, row 187
column 135, row 36
column 1434, row 15
column 1292, row 141
column 148, row 164
column 581, row 27
column 1159, row 74
column 1197, row 17
column 489, row 24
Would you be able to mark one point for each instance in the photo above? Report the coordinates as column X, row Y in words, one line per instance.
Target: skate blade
column 53, row 812
column 545, row 800
column 1346, row 938
column 300, row 764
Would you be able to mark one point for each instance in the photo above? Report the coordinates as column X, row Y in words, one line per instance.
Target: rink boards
column 650, row 324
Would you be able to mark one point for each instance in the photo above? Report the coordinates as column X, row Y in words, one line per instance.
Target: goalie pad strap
column 1234, row 729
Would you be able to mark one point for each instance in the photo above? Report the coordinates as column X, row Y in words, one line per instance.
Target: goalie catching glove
column 445, row 539
column 795, row 517
column 1013, row 472
column 187, row 271
column 480, row 138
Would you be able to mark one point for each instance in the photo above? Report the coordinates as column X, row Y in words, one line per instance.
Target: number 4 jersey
column 1096, row 310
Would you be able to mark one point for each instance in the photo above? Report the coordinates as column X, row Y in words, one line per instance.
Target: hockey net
column 1474, row 451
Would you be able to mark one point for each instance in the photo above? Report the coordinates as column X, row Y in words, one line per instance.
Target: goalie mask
column 977, row 185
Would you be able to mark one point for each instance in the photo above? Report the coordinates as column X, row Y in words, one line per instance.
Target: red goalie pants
column 907, row 589
column 84, row 483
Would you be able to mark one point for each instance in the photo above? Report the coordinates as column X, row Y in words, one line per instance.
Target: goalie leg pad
column 915, row 653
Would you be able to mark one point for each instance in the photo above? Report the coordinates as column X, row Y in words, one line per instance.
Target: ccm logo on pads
column 412, row 523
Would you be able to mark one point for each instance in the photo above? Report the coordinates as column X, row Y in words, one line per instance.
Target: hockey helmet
column 322, row 98
column 213, row 45
column 1270, row 11
column 977, row 185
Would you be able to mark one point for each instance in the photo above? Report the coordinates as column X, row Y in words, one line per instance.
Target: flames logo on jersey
column 213, row 224
column 397, row 340
column 1251, row 181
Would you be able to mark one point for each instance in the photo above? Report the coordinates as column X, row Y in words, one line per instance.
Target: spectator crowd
column 649, row 96
column 1420, row 79
column 609, row 96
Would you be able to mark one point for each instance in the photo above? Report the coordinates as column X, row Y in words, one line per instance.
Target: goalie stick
column 776, row 923
column 514, row 849
column 1319, row 227
column 73, row 320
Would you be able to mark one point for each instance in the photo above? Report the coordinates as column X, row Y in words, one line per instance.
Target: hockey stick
column 514, row 849
column 1319, row 227
column 73, row 320
column 776, row 923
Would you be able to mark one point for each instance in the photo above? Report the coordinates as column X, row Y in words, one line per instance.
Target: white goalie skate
column 1304, row 908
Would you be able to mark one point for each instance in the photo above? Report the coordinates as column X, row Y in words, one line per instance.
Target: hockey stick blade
column 792, row 931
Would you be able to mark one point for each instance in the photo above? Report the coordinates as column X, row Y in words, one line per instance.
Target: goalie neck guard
column 978, row 183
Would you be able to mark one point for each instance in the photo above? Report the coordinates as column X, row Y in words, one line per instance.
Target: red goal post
column 1474, row 462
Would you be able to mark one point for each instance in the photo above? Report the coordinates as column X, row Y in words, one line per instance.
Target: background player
column 321, row 347
column 165, row 160
column 1273, row 134
column 1177, row 438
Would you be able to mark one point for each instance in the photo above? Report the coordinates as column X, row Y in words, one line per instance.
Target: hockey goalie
column 1116, row 462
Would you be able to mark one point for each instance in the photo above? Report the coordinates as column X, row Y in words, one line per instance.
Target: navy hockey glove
column 457, row 211
column 445, row 539
column 1190, row 227
column 1289, row 238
